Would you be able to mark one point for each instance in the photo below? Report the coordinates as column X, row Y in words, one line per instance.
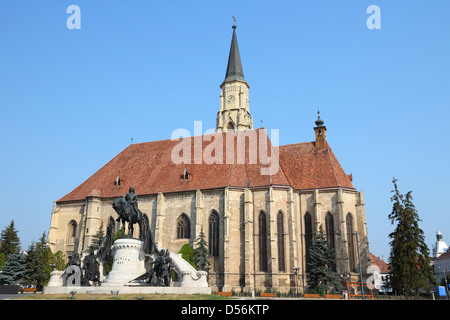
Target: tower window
column 230, row 126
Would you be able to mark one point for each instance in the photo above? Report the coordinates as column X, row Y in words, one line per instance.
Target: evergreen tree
column 201, row 254
column 32, row 265
column 38, row 263
column 9, row 241
column 187, row 253
column 410, row 268
column 2, row 260
column 13, row 269
column 96, row 240
column 321, row 277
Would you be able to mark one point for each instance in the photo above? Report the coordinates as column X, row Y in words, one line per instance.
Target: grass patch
column 84, row 296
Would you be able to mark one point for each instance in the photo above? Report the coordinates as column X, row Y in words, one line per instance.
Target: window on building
column 213, row 238
column 262, row 241
column 308, row 238
column 183, row 227
column 280, row 232
column 329, row 226
column 230, row 126
column 71, row 231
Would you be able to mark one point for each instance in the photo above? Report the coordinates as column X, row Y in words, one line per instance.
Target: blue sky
column 70, row 100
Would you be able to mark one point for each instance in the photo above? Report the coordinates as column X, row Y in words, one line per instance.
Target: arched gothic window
column 262, row 241
column 230, row 126
column 329, row 225
column 308, row 238
column 213, row 238
column 280, row 232
column 183, row 227
column 71, row 231
column 350, row 242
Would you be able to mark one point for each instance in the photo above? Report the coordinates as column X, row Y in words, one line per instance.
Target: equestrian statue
column 128, row 211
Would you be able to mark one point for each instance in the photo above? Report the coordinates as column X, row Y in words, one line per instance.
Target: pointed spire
column 234, row 67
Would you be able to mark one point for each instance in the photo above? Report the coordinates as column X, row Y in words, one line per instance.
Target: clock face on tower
column 230, row 99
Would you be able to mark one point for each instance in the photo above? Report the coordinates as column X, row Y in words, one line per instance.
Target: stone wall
column 239, row 262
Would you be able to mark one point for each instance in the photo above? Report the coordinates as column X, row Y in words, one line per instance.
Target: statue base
column 128, row 262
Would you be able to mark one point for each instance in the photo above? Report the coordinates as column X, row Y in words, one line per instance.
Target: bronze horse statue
column 127, row 213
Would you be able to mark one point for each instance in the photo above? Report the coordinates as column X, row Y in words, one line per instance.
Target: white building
column 440, row 247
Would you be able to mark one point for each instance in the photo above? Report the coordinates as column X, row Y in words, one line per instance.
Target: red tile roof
column 309, row 168
column 380, row 263
column 149, row 168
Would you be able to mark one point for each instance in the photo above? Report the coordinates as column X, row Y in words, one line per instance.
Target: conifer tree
column 38, row 263
column 96, row 240
column 201, row 254
column 9, row 241
column 409, row 266
column 13, row 269
column 321, row 277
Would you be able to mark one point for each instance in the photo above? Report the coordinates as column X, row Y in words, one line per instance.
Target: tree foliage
column 201, row 254
column 14, row 268
column 38, row 263
column 187, row 253
column 9, row 241
column 321, row 277
column 409, row 266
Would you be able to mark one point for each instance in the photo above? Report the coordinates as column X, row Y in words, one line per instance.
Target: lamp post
column 360, row 267
column 114, row 294
column 72, row 293
column 296, row 279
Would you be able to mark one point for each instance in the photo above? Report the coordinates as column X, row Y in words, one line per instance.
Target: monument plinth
column 128, row 262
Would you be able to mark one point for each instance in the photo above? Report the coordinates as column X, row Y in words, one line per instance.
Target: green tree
column 38, row 263
column 96, row 240
column 187, row 253
column 9, row 241
column 201, row 254
column 321, row 277
column 410, row 268
column 57, row 261
column 14, row 268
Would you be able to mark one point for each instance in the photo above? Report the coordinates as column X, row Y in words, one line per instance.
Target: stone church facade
column 258, row 226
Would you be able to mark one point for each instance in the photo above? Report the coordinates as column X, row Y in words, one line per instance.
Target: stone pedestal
column 128, row 262
column 55, row 279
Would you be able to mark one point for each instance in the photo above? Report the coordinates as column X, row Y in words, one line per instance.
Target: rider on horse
column 131, row 199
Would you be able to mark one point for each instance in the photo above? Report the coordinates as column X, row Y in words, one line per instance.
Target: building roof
column 234, row 67
column 309, row 168
column 150, row 169
column 379, row 263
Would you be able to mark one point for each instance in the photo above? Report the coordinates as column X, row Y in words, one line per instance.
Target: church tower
column 234, row 113
column 320, row 129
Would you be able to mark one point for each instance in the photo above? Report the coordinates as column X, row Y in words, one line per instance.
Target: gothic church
column 258, row 226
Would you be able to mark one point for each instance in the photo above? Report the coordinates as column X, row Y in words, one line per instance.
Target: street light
column 296, row 279
column 360, row 267
column 114, row 293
